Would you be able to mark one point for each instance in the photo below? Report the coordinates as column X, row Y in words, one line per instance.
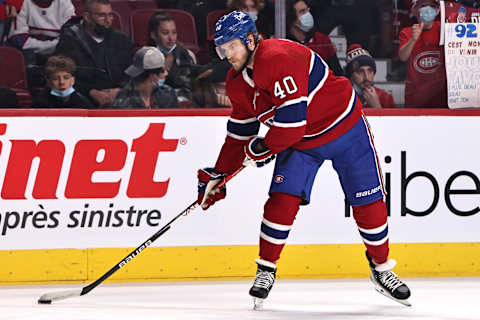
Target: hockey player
column 312, row 116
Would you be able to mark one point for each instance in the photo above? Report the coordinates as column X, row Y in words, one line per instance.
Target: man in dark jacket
column 101, row 53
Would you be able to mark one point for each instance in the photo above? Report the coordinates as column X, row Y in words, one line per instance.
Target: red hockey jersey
column 295, row 94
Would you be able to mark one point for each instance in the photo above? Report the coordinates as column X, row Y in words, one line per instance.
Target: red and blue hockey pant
column 354, row 159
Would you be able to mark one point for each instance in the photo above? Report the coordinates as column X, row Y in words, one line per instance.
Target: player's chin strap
column 250, row 52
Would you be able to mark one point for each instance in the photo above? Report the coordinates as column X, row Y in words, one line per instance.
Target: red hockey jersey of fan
column 295, row 94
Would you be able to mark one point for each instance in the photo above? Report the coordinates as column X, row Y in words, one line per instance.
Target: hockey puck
column 44, row 301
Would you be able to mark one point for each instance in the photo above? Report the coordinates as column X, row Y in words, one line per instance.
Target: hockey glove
column 257, row 153
column 208, row 178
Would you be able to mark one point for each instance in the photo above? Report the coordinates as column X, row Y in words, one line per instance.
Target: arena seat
column 14, row 75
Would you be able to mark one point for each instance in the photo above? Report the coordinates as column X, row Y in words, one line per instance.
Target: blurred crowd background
column 151, row 54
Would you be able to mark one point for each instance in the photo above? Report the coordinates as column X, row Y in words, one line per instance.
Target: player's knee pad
column 373, row 227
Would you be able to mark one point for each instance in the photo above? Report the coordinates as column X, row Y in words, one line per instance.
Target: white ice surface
column 432, row 299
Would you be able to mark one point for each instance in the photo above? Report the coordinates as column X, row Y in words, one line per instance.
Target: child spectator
column 361, row 69
column 60, row 93
column 426, row 83
column 147, row 88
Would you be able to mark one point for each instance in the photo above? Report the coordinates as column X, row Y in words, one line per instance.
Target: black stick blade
column 41, row 301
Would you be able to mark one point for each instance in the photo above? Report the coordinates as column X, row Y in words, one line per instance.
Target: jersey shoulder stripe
column 317, row 76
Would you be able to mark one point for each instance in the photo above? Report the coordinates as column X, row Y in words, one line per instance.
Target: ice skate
column 387, row 283
column 263, row 282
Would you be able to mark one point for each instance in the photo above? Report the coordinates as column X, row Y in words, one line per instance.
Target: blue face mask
column 427, row 14
column 253, row 16
column 62, row 94
column 165, row 51
column 306, row 22
column 160, row 83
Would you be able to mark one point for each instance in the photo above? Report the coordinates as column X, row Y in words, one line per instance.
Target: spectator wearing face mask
column 301, row 28
column 59, row 92
column 146, row 88
column 180, row 62
column 361, row 69
column 101, row 52
column 426, row 82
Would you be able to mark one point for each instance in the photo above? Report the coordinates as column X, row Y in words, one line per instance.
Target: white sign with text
column 120, row 181
column 462, row 61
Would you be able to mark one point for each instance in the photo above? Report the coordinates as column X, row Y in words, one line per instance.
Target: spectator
column 8, row 10
column 35, row 32
column 101, row 53
column 426, row 83
column 147, row 88
column 361, row 69
column 37, row 25
column 59, row 92
column 356, row 17
column 180, row 62
column 301, row 28
column 254, row 8
column 209, row 86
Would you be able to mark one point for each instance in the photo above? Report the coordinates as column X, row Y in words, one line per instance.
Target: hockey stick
column 48, row 298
